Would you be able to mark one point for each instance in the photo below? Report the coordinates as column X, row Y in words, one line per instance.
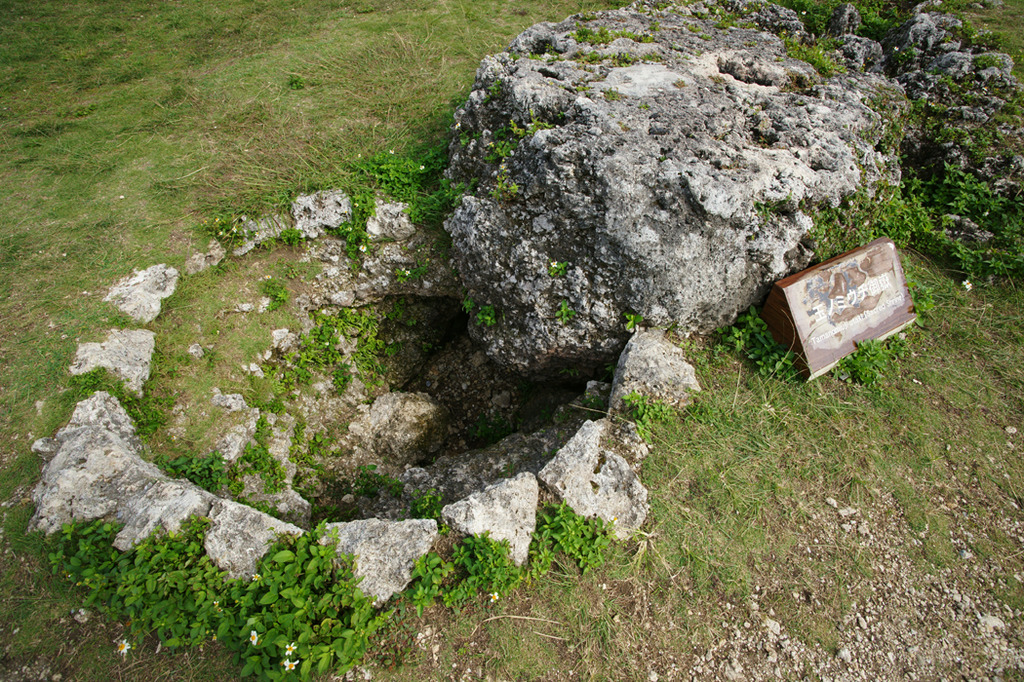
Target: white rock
column 315, row 213
column 384, row 551
column 507, row 510
column 196, row 351
column 141, row 294
column 232, row 402
column 259, row 231
column 198, row 262
column 390, row 221
column 126, row 352
column 405, row 427
column 653, row 366
column 596, row 481
column 240, row 535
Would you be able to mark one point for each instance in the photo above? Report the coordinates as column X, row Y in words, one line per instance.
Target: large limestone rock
column 97, row 473
column 402, row 428
column 384, row 551
column 141, row 294
column 390, row 220
column 239, row 536
column 596, row 481
column 653, row 366
column 259, row 231
column 126, row 352
column 507, row 510
column 321, row 211
column 672, row 178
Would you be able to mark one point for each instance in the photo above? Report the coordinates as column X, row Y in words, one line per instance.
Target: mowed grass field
column 124, row 126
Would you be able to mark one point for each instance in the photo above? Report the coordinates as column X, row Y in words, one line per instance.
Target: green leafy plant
column 256, row 459
column 633, row 320
column 561, row 530
column 275, row 290
column 301, row 613
column 486, row 316
column 208, row 472
column 872, row 361
column 426, row 505
column 504, row 188
column 557, row 269
column 751, row 337
column 290, row 237
column 481, row 565
column 645, row 412
column 428, row 577
column 565, row 314
column 368, row 482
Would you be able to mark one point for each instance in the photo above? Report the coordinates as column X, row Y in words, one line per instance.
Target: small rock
column 232, row 402
column 847, row 512
column 830, row 501
column 1010, row 430
column 991, row 623
column 321, row 211
column 198, row 262
column 196, row 351
column 81, row 616
column 264, row 305
column 253, row 369
column 845, row 655
column 390, row 221
column 385, row 551
column 141, row 294
column 125, row 352
column 283, row 340
column 244, row 308
column 773, row 626
column 45, row 448
column 507, row 510
column 653, row 366
column 863, row 529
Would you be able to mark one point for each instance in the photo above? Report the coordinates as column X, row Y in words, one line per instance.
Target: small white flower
column 256, row 576
column 423, row 167
column 122, row 647
column 362, row 248
column 254, row 637
column 494, row 596
column 967, row 285
column 290, row 649
column 289, row 665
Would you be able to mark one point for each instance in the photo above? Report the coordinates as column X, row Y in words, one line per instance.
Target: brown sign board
column 823, row 312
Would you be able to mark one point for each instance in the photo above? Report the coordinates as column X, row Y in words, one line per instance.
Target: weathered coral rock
column 198, row 262
column 140, row 295
column 384, row 551
column 321, row 211
column 405, row 427
column 506, row 510
column 390, row 221
column 126, row 352
column 239, row 536
column 653, row 366
column 596, row 481
column 669, row 174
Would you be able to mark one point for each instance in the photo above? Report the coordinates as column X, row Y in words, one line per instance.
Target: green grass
column 195, row 110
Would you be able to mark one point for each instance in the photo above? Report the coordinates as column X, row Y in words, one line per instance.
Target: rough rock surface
column 507, row 510
column 97, row 473
column 140, row 295
column 386, row 270
column 259, row 231
column 673, row 186
column 384, row 551
column 198, row 262
column 596, row 481
column 315, row 213
column 126, row 352
column 390, row 221
column 232, row 402
column 239, row 536
column 654, row 367
column 456, row 477
column 403, row 428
